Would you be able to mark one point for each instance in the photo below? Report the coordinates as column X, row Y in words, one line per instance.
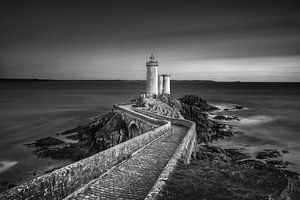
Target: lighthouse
column 152, row 76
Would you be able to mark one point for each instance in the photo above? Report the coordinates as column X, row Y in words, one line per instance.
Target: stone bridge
column 136, row 124
column 134, row 169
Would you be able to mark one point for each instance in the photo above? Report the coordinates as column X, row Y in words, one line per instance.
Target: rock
column 226, row 117
column 235, row 154
column 238, row 107
column 284, row 151
column 4, row 183
column 73, row 137
column 101, row 133
column 51, row 170
column 193, row 108
column 268, row 153
column 161, row 106
column 11, row 185
column 194, row 100
column 225, row 174
column 278, row 163
column 45, row 142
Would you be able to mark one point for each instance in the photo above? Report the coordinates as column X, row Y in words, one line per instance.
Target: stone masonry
column 134, row 178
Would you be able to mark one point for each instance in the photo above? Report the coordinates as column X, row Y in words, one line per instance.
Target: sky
column 221, row 40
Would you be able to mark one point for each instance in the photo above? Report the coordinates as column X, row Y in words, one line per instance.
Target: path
column 134, row 178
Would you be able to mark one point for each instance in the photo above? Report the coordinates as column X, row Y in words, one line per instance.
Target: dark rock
column 278, row 163
column 193, row 108
column 73, row 137
column 11, row 185
column 45, row 142
column 238, row 107
column 101, row 133
column 235, row 154
column 285, row 151
column 51, row 170
column 4, row 183
column 70, row 131
column 226, row 117
column 268, row 153
column 227, row 174
column 194, row 100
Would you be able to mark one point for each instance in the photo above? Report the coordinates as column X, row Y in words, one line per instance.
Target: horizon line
column 81, row 80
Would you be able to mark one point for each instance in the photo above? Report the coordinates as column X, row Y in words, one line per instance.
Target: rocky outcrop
column 217, row 173
column 101, row 133
column 109, row 129
column 268, row 153
column 194, row 108
column 159, row 106
column 226, row 117
column 196, row 101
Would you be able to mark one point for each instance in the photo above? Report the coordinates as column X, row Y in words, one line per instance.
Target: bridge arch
column 133, row 130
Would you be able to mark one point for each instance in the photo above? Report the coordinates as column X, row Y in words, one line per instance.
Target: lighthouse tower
column 152, row 76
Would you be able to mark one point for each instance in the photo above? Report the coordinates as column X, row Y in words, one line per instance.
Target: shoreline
column 230, row 173
column 47, row 147
column 266, row 153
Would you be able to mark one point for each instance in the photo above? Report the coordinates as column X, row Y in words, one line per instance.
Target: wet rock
column 194, row 108
column 194, row 100
column 268, row 153
column 46, row 142
column 235, row 154
column 11, row 185
column 292, row 190
column 226, row 117
column 51, row 170
column 228, row 174
column 73, row 137
column 278, row 163
column 285, row 151
column 4, row 183
column 238, row 107
column 101, row 133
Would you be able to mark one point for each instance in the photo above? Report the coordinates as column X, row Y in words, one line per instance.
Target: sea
column 29, row 110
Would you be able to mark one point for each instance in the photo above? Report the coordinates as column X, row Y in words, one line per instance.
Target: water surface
column 32, row 110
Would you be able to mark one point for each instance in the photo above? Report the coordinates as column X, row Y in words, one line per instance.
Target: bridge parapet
column 190, row 135
column 62, row 182
column 183, row 152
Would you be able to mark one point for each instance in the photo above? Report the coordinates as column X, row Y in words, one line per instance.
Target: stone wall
column 129, row 116
column 182, row 154
column 190, row 137
column 62, row 182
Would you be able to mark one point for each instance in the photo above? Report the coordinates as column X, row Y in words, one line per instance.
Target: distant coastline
column 119, row 80
column 95, row 80
column 127, row 81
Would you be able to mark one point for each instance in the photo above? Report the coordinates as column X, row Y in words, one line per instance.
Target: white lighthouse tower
column 152, row 76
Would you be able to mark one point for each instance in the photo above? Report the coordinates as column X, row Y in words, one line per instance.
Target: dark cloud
column 56, row 38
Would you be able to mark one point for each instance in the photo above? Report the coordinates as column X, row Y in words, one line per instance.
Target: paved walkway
column 134, row 178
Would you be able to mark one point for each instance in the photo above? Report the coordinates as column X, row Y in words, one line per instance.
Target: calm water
column 32, row 110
